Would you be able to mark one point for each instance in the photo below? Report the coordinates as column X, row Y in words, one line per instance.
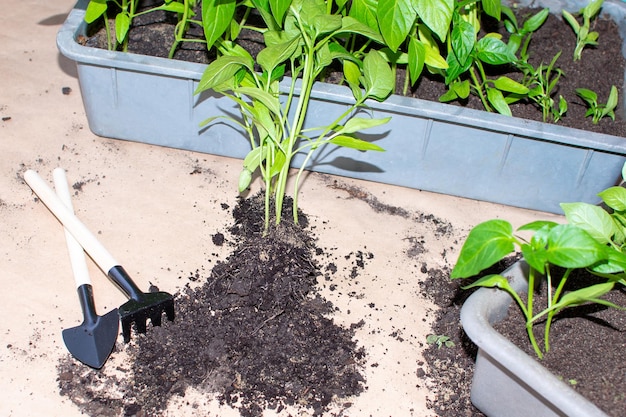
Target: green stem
column 478, row 87
column 551, row 301
column 529, row 313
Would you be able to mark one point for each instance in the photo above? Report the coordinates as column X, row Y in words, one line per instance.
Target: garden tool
column 140, row 305
column 93, row 341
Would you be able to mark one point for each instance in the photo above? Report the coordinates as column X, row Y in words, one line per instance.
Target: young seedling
column 542, row 82
column 124, row 18
column 595, row 110
column 439, row 340
column 584, row 35
column 593, row 239
column 304, row 42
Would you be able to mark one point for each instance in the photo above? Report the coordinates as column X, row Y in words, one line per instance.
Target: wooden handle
column 85, row 238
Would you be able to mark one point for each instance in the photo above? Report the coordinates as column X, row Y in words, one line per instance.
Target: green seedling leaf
column 268, row 100
column 462, row 89
column 245, row 177
column 492, row 8
column 571, row 20
column 493, row 51
column 537, row 225
column 506, row 84
column 378, row 79
column 433, row 58
column 485, row 245
column 357, row 124
column 347, row 141
column 592, row 219
column 365, row 12
column 535, row 22
column 437, row 15
column 491, row 281
column 584, row 295
column 614, row 197
column 122, row 24
column 496, row 98
column 611, row 104
column 588, row 95
column 352, row 74
column 216, row 17
column 354, row 26
column 275, row 54
column 463, row 38
column 417, row 59
column 172, row 6
column 572, row 247
column 395, row 19
column 221, row 70
column 95, row 9
column 279, row 8
column 592, row 9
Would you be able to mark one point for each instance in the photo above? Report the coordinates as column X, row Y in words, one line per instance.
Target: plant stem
column 529, row 313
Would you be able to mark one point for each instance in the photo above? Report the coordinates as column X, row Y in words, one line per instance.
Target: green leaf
column 433, row 58
column 506, row 84
column 221, row 70
column 417, row 59
column 245, row 177
column 535, row 22
column 172, row 6
column 395, row 19
column 588, row 95
column 491, row 281
column 485, row 245
column 583, row 295
column 571, row 20
column 365, row 12
column 493, row 51
column 592, row 9
column 216, row 17
column 437, row 15
column 537, row 225
column 353, row 26
column 378, row 78
column 463, row 39
column 611, row 103
column 347, row 141
column 614, row 197
column 492, row 8
column 268, row 100
column 279, row 8
column 496, row 99
column 462, row 89
column 122, row 24
column 275, row 54
column 95, row 9
column 572, row 247
column 357, row 124
column 592, row 219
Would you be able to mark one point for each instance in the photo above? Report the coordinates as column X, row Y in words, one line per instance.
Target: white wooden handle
column 85, row 238
column 77, row 255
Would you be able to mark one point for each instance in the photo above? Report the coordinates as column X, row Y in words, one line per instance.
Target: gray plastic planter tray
column 507, row 382
column 429, row 146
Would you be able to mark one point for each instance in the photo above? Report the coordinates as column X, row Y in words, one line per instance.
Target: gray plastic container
column 507, row 382
column 429, row 146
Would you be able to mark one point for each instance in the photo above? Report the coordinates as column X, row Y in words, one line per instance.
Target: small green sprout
column 439, row 340
column 598, row 111
column 584, row 35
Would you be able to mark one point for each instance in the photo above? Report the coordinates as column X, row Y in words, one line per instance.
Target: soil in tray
column 601, row 66
column 587, row 345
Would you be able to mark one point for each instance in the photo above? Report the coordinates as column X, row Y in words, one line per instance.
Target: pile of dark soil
column 256, row 332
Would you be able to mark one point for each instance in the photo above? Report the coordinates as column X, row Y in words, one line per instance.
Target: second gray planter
column 429, row 146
